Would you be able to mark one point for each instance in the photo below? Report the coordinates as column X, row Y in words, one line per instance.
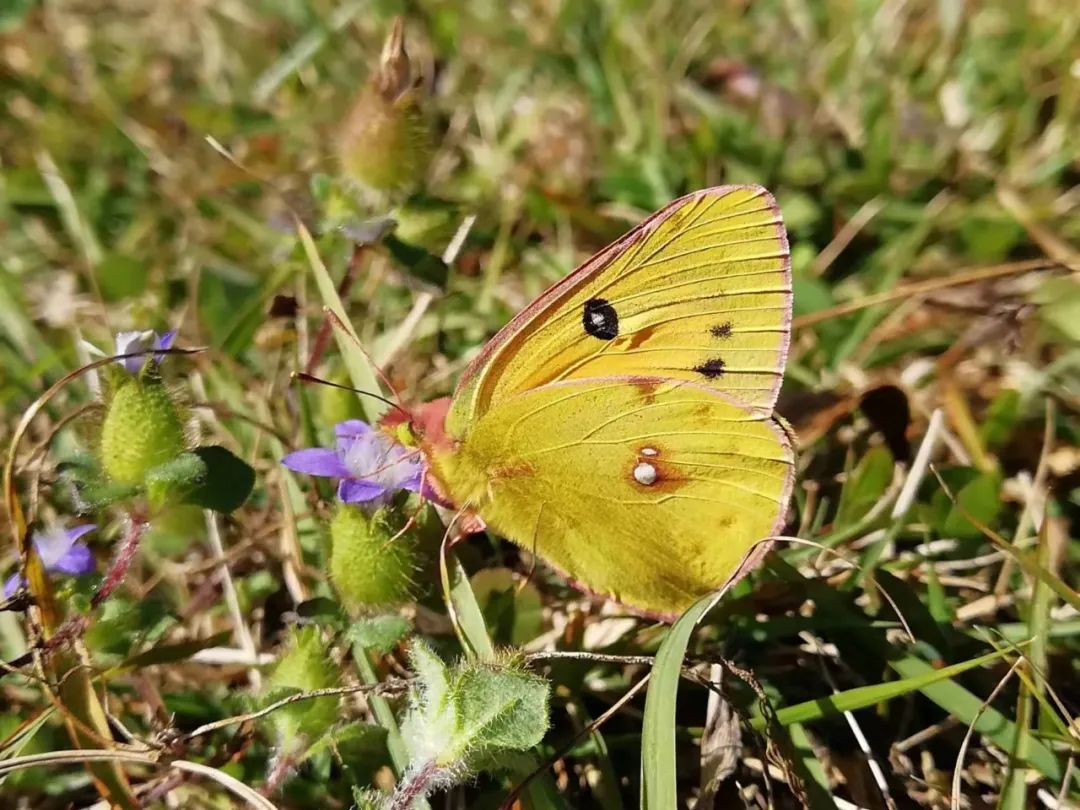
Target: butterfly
column 622, row 425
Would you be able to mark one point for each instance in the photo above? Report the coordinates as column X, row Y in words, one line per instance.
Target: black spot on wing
column 600, row 319
column 721, row 330
column 712, row 369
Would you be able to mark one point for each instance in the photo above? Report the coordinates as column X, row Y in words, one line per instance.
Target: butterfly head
column 422, row 426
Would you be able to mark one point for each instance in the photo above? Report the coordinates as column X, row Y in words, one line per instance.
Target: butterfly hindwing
column 645, row 490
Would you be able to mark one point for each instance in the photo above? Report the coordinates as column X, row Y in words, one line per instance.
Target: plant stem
column 413, row 786
column 122, row 559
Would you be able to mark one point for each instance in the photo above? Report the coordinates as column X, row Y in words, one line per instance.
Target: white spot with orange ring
column 645, row 474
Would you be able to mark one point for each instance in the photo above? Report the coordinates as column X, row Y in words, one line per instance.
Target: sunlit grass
column 175, row 165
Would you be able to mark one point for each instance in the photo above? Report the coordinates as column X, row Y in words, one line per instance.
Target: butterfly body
column 621, row 426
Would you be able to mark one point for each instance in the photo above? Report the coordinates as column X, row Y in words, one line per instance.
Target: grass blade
column 658, row 767
column 361, row 371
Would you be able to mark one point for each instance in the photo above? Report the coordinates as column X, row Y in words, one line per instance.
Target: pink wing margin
column 600, row 260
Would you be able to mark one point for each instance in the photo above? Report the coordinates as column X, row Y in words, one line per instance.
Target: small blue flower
column 371, row 466
column 129, row 342
column 59, row 552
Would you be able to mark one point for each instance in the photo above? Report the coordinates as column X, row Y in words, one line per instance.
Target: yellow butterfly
column 622, row 425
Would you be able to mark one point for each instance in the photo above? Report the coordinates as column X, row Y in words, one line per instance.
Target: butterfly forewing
column 700, row 291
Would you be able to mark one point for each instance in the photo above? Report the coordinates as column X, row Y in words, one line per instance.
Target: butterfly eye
column 600, row 319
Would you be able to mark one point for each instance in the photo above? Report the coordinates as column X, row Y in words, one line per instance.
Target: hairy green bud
column 142, row 430
column 371, row 560
column 385, row 143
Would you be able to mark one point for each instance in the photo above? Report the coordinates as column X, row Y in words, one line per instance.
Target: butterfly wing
column 649, row 491
column 699, row 291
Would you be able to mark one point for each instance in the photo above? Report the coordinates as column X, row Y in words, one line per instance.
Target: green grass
column 155, row 160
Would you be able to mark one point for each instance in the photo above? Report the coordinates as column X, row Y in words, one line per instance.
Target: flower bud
column 305, row 666
column 385, row 143
column 142, row 429
column 371, row 564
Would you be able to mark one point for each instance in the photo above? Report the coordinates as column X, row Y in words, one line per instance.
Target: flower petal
column 316, row 461
column 412, row 481
column 11, row 585
column 78, row 560
column 353, row 491
column 164, row 341
column 51, row 544
column 351, row 428
column 78, row 531
column 128, row 342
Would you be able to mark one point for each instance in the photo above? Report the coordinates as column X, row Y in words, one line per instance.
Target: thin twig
column 83, row 756
column 920, row 287
column 954, row 799
column 600, row 658
column 390, row 687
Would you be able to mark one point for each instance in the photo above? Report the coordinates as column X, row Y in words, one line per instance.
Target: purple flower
column 370, row 464
column 128, row 342
column 59, row 552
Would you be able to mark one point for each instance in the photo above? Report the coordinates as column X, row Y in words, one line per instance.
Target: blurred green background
column 156, row 155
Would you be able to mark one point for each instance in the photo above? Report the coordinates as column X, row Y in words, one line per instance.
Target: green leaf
column 979, row 498
column 865, row 486
column 93, row 489
column 420, row 263
column 175, row 480
column 170, row 653
column 13, row 13
column 368, row 798
column 476, row 640
column 1000, row 419
column 96, row 494
column 1059, row 300
column 463, row 717
column 305, row 666
column 227, row 483
column 124, row 621
column 500, row 709
column 379, row 633
column 863, row 696
column 321, row 610
column 355, row 741
column 514, row 613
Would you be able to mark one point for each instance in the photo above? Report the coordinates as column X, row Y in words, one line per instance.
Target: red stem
column 412, row 787
column 129, row 546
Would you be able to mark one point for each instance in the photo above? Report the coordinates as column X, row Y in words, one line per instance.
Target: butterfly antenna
column 303, row 376
column 339, row 325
